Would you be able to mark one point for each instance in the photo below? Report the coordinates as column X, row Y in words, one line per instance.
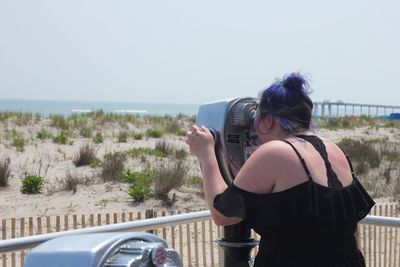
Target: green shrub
column 194, row 180
column 122, row 137
column 32, row 184
column 71, row 182
column 23, row 118
column 134, row 177
column 86, row 132
column 391, row 156
column 361, row 168
column 95, row 162
column 154, row 133
column 396, row 190
column 113, row 165
column 139, row 191
column 164, row 147
column 169, row 175
column 173, row 126
column 98, row 138
column 42, row 134
column 361, row 151
column 5, row 171
column 61, row 138
column 85, row 155
column 59, row 121
column 348, row 122
column 38, row 117
column 19, row 142
column 181, row 153
column 141, row 183
column 181, row 132
column 138, row 136
column 140, row 151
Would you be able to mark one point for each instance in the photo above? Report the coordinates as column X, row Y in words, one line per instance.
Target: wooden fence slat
column 358, row 235
column 115, row 217
column 58, row 223
column 148, row 215
column 75, row 221
column 4, row 236
column 22, row 227
column 396, row 240
column 22, row 234
column 390, row 237
column 189, row 250
column 380, row 240
column 364, row 245
column 98, row 219
column 13, row 261
column 4, row 229
column 39, row 225
column 385, row 240
column 48, row 224
column 83, row 221
column 108, row 218
column 13, row 232
column 375, row 242
column 30, row 226
column 196, row 245
column 164, row 230
column 203, row 242
column 180, row 235
column 210, row 227
column 369, row 245
column 155, row 216
column 66, row 223
column 91, row 220
column 173, row 233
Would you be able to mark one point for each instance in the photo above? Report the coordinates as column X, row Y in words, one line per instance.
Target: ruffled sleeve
column 231, row 203
column 306, row 201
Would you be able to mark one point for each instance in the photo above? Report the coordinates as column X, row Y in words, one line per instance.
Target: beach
column 54, row 162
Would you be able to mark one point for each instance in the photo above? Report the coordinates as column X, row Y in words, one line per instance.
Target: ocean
column 47, row 107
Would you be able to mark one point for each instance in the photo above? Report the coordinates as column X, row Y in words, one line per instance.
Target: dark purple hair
column 287, row 101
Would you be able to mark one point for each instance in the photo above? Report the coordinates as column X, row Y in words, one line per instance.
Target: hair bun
column 296, row 83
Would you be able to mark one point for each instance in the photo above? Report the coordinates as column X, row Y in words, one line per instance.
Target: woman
column 297, row 191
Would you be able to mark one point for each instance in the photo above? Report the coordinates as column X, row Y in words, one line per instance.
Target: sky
column 184, row 51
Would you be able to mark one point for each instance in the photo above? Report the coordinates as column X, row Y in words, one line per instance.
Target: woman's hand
column 200, row 141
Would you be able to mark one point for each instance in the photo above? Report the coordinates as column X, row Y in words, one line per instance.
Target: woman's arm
column 201, row 143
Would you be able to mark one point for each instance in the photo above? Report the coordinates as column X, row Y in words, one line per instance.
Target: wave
column 81, row 110
column 129, row 111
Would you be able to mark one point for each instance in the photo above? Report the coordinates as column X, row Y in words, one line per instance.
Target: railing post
column 148, row 215
column 221, row 255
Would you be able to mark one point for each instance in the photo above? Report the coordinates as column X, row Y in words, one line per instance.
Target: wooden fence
column 195, row 242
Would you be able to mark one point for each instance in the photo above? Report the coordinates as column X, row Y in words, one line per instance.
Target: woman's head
column 287, row 101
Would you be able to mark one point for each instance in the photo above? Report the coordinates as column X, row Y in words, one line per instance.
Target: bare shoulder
column 268, row 163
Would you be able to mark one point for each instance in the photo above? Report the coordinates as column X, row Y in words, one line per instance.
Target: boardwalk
column 339, row 108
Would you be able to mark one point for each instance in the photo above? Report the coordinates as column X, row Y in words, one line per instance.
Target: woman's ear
column 269, row 123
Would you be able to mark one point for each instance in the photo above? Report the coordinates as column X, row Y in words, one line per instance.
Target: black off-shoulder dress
column 308, row 225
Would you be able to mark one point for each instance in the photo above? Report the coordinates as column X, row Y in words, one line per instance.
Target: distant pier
column 338, row 109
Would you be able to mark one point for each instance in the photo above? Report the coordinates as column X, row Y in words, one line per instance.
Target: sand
column 96, row 196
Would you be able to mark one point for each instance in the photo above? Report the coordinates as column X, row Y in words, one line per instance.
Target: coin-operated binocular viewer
column 231, row 123
column 104, row 250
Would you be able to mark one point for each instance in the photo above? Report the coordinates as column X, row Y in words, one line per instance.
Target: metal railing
column 15, row 244
column 142, row 225
column 381, row 221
